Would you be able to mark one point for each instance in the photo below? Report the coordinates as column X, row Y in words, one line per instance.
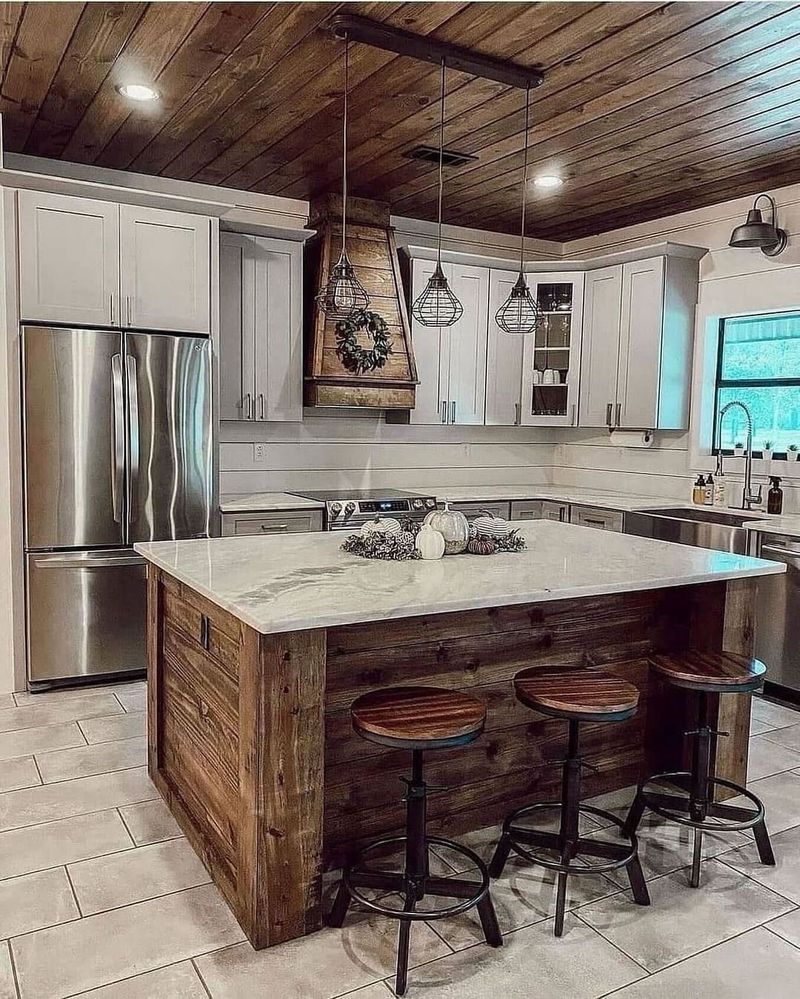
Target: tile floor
column 101, row 897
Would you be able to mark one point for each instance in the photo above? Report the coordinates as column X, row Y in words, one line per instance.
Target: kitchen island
column 257, row 647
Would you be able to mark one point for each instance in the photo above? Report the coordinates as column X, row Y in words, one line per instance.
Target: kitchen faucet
column 748, row 497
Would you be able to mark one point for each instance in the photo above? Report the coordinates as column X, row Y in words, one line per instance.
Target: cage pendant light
column 343, row 297
column 437, row 305
column 520, row 314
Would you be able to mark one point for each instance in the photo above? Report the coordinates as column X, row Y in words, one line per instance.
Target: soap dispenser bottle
column 720, row 488
column 698, row 492
column 775, row 495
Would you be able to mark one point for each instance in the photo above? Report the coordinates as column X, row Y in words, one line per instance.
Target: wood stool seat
column 713, row 672
column 418, row 717
column 579, row 695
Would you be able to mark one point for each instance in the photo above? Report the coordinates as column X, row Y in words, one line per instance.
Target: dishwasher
column 778, row 615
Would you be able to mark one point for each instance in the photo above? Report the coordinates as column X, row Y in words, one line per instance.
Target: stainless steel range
column 347, row 510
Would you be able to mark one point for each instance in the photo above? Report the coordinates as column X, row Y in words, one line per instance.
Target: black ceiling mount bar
column 382, row 36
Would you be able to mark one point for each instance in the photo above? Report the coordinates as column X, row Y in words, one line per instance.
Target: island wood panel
column 257, row 760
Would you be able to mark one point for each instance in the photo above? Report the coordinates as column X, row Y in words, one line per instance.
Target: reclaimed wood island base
column 251, row 745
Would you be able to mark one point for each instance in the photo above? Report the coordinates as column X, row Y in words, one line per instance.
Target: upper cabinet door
column 166, row 270
column 235, row 389
column 431, row 354
column 466, row 394
column 503, row 358
column 642, row 315
column 69, row 260
column 601, row 335
column 278, row 339
column 551, row 362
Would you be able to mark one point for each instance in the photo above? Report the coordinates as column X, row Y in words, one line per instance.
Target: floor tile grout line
column 80, row 729
column 72, row 888
column 14, row 973
column 75, row 815
column 755, row 881
column 102, row 773
column 620, row 950
column 140, row 974
column 149, row 898
column 54, row 867
column 768, row 928
column 38, row 771
column 131, row 837
column 198, row 972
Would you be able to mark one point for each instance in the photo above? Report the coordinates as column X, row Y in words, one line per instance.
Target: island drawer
column 278, row 522
column 205, row 628
column 594, row 516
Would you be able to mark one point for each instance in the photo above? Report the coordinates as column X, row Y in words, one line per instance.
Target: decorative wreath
column 351, row 353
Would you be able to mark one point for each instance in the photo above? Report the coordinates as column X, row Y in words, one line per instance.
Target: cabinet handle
column 517, row 413
column 609, row 411
column 274, row 527
column 246, row 406
column 573, row 414
column 205, row 632
column 261, row 404
column 444, row 412
column 619, row 414
column 111, row 299
column 453, row 416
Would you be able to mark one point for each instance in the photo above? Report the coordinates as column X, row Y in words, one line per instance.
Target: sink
column 706, row 515
column 702, row 527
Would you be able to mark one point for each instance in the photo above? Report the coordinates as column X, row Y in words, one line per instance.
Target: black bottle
column 775, row 495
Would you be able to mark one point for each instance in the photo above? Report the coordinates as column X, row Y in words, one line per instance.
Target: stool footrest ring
column 674, row 803
column 615, row 855
column 470, row 892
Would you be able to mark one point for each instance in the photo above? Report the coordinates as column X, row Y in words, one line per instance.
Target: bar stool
column 704, row 673
column 417, row 719
column 576, row 696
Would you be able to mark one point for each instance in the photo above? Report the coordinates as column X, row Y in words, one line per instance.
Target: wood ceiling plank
column 636, row 80
column 400, row 89
column 161, row 29
column 41, row 40
column 588, row 144
column 762, row 147
column 10, row 16
column 771, row 174
column 605, row 64
column 698, row 132
column 276, row 34
column 215, row 36
column 100, row 35
column 297, row 98
column 468, row 99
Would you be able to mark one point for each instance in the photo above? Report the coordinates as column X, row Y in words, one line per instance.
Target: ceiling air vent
column 430, row 154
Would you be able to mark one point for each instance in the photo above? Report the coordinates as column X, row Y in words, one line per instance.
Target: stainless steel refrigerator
column 118, row 448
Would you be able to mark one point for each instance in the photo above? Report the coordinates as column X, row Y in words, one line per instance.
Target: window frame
column 722, row 383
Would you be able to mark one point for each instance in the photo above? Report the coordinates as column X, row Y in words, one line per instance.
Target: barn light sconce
column 756, row 232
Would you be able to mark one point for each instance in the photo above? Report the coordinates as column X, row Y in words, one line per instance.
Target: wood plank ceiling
column 646, row 108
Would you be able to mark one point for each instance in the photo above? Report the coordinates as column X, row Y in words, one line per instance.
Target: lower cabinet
column 272, row 522
column 593, row 516
column 473, row 510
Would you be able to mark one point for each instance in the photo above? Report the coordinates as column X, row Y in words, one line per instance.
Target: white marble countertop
column 788, row 523
column 559, row 494
column 268, row 501
column 305, row 581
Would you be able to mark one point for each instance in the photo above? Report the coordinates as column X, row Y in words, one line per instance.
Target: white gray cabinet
column 637, row 344
column 261, row 347
column 526, row 510
column 471, row 510
column 594, row 516
column 273, row 522
column 165, row 269
column 68, row 260
column 451, row 361
column 98, row 263
column 504, row 353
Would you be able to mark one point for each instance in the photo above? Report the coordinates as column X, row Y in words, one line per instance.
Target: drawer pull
column 274, row 527
column 205, row 632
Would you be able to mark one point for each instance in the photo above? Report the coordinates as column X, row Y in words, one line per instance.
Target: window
column 759, row 364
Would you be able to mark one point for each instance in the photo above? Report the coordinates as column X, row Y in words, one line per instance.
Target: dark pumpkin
column 480, row 546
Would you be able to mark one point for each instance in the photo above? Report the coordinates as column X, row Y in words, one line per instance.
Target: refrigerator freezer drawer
column 87, row 614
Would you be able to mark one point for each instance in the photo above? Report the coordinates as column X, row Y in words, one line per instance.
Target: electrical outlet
column 259, row 452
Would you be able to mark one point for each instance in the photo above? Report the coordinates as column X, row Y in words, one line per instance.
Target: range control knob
column 336, row 509
column 417, row 504
column 349, row 509
column 430, row 503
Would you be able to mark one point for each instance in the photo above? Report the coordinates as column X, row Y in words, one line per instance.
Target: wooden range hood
column 372, row 249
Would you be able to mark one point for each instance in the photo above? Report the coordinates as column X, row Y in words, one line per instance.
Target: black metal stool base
column 567, row 843
column 415, row 882
column 677, row 802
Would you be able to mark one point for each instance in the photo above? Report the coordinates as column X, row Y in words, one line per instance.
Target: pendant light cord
column 344, row 140
column 441, row 159
column 524, row 180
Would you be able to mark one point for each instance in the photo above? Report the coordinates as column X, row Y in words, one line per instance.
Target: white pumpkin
column 489, row 526
column 430, row 542
column 452, row 525
column 381, row 525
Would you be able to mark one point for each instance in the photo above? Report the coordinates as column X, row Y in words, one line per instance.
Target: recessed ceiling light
column 547, row 180
column 138, row 92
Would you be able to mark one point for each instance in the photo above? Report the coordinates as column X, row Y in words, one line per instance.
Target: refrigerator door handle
column 118, row 451
column 133, row 439
column 70, row 562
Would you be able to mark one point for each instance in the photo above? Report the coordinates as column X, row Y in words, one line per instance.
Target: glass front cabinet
column 552, row 356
